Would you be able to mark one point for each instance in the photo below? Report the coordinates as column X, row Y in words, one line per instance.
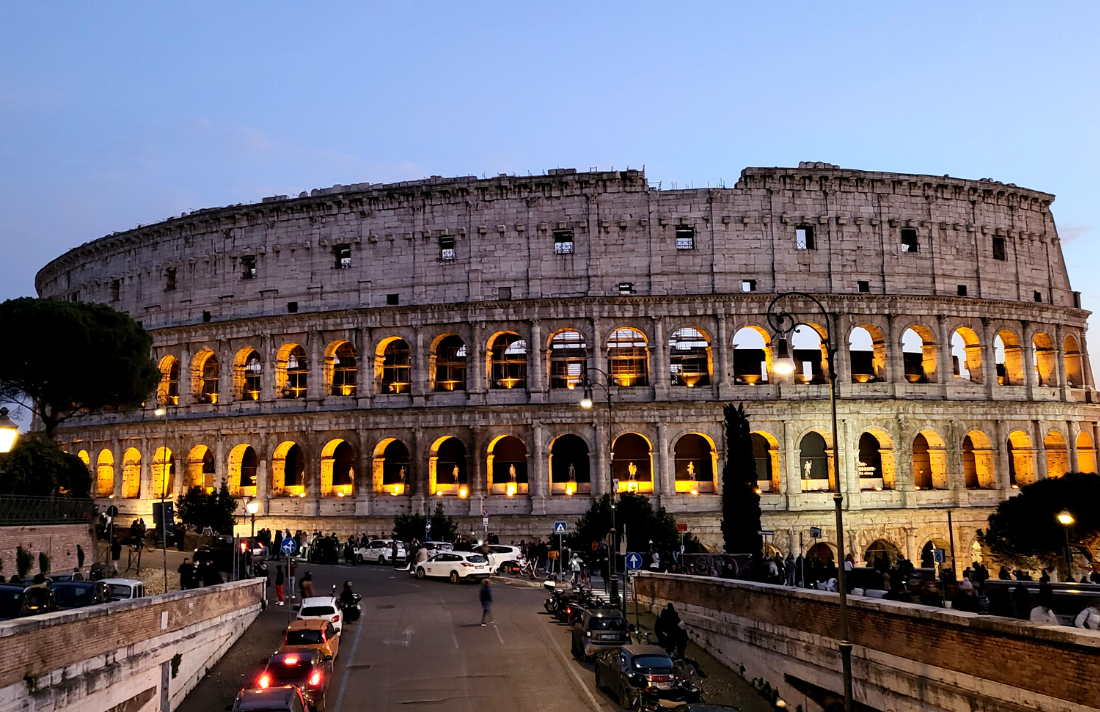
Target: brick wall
column 58, row 541
column 1001, row 660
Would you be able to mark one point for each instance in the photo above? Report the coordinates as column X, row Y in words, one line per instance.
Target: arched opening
column 288, row 470
column 765, row 453
column 1075, row 375
column 881, row 553
column 204, row 377
column 928, row 553
column 83, row 455
column 507, row 361
column 976, row 552
column 568, row 359
column 875, row 464
column 200, row 468
column 1045, row 360
column 393, row 366
column 105, row 474
column 821, row 552
column 751, row 356
column 337, row 469
column 696, row 462
column 628, row 358
column 391, row 467
column 929, row 461
column 631, row 463
column 244, row 465
column 1009, row 357
column 978, row 461
column 342, row 366
column 1057, row 454
column 867, row 354
column 247, row 374
column 449, row 367
column 689, row 358
column 292, row 372
column 1021, row 460
column 966, row 355
column 168, row 392
column 815, row 463
column 164, row 473
column 918, row 347
column 448, row 465
column 570, row 471
column 808, row 351
column 131, row 474
column 1086, row 453
column 507, row 465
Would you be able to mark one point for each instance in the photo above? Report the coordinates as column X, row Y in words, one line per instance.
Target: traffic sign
column 633, row 561
column 939, row 556
column 560, row 527
column 484, row 521
column 485, row 512
column 112, row 511
column 428, row 525
column 815, row 532
column 680, row 527
column 289, row 546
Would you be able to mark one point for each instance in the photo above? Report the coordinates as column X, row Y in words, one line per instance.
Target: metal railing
column 17, row 510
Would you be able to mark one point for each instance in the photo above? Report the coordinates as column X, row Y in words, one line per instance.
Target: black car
column 77, row 594
column 18, row 601
column 599, row 629
column 286, row 698
column 639, row 675
column 324, row 551
column 308, row 670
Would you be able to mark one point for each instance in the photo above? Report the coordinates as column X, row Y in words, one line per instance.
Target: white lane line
column 568, row 664
column 454, row 636
column 347, row 668
column 499, row 637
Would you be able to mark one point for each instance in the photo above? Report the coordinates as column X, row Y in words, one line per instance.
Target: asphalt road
column 420, row 646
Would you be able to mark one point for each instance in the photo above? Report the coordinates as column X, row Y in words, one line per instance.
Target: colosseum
column 368, row 350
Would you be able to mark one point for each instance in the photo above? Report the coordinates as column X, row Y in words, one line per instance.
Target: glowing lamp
column 570, row 488
column 916, row 487
column 586, row 403
column 1065, row 518
column 315, row 679
column 265, row 681
column 784, row 364
column 1015, row 486
column 878, row 489
column 290, row 660
column 398, row 489
column 695, row 491
column 252, row 507
column 756, row 490
column 301, row 494
column 462, row 491
column 159, row 412
column 339, row 494
column 511, row 489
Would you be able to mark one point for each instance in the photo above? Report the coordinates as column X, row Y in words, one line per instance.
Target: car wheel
column 454, row 577
column 624, row 698
column 599, row 683
column 320, row 705
column 359, row 558
column 381, row 561
column 420, row 572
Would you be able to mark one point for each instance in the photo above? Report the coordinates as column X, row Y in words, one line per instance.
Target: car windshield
column 120, row 590
column 476, row 559
column 318, row 611
column 11, row 602
column 607, row 624
column 73, row 595
column 653, row 662
column 303, row 637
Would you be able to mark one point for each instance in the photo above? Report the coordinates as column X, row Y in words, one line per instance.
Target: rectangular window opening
column 626, row 287
column 1038, row 296
column 748, row 285
column 504, row 294
column 392, row 300
column 804, row 237
column 962, row 290
column 999, row 249
column 292, row 307
column 909, row 240
column 685, row 237
column 447, row 249
column 170, row 279
column 342, row 255
column 863, row 286
column 563, row 242
column 116, row 287
column 206, row 317
column 248, row 267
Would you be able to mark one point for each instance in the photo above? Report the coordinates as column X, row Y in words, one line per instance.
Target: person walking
column 292, row 569
column 575, row 567
column 485, row 596
column 1042, row 613
column 1089, row 618
column 280, row 579
column 306, row 586
column 186, row 571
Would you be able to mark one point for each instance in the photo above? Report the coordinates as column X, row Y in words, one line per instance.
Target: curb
column 516, row 581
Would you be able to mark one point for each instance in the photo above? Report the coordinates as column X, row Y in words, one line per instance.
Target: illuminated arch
column 507, row 362
column 131, row 474
column 1086, row 453
column 867, row 354
column 105, row 474
column 929, row 461
column 765, row 451
column 809, row 351
column 391, row 473
column 205, row 373
column 164, row 473
column 506, row 466
column 816, row 468
column 632, row 462
column 689, row 357
column 966, row 355
column 752, row 356
column 628, row 357
column 918, row 348
column 1071, row 356
column 448, row 467
column 1008, row 354
column 448, row 367
column 393, row 365
column 83, row 455
column 243, row 470
column 201, row 468
column 1046, row 371
column 248, row 374
column 568, row 359
column 1021, row 459
column 288, row 470
column 881, row 548
column 291, row 371
column 341, row 369
column 168, row 392
column 337, row 469
column 696, row 464
column 1057, row 454
column 570, row 451
column 979, row 471
column 875, row 464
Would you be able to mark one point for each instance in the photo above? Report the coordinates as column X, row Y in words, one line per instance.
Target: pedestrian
column 1022, row 598
column 788, row 564
column 665, row 628
column 575, row 567
column 966, row 598
column 1003, row 575
column 292, row 574
column 280, row 579
column 1089, row 618
column 185, row 571
column 306, row 586
column 485, row 596
column 394, row 548
column 1042, row 613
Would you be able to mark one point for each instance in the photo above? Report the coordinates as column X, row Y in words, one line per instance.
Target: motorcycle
column 352, row 610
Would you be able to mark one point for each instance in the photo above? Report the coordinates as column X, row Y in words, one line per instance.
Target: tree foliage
column 740, row 502
column 407, row 527
column 1025, row 528
column 201, row 509
column 635, row 515
column 44, row 563
column 23, row 561
column 61, row 359
column 37, row 467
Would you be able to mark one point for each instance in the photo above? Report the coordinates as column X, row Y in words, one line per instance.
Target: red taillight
column 315, row 679
column 265, row 681
column 290, row 660
column 336, row 619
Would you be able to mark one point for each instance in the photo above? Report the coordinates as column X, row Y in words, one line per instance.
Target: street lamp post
column 9, row 431
column 252, row 508
column 586, row 403
column 783, row 323
column 1066, row 520
column 162, row 412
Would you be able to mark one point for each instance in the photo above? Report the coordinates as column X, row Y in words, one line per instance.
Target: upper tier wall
column 624, row 231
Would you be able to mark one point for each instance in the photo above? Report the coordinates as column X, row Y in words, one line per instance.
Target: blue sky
column 115, row 114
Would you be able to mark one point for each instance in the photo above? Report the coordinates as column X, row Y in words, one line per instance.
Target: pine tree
column 740, row 502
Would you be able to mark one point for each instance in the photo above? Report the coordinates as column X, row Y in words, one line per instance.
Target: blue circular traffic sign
column 633, row 560
column 289, row 546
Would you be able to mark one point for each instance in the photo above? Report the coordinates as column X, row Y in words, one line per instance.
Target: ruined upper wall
column 624, row 231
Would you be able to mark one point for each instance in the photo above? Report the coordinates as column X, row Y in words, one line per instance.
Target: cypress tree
column 740, row 502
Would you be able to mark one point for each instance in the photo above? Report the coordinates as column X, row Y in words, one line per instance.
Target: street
column 420, row 646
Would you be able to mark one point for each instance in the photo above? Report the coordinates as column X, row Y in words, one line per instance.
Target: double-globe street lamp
column 9, row 431
column 784, row 324
column 587, row 403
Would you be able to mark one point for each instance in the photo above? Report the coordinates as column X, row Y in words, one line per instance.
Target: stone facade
column 319, row 351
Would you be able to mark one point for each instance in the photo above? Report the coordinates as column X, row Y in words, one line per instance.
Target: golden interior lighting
column 695, row 491
column 462, row 491
column 570, row 488
column 398, row 489
column 302, row 494
column 254, row 395
column 1015, row 486
column 917, row 487
column 509, row 382
column 754, row 489
column 877, row 488
column 339, row 494
column 511, row 489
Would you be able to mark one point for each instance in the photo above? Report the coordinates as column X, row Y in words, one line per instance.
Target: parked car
column 455, row 565
column 311, row 634
column 78, row 594
column 640, row 674
column 324, row 551
column 500, row 556
column 599, row 629
column 326, row 608
column 74, row 576
column 437, row 546
column 307, row 670
column 381, row 550
column 124, row 589
column 285, row 698
column 19, row 601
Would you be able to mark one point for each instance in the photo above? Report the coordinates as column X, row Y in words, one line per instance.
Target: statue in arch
column 454, row 473
column 807, row 468
column 401, row 474
column 633, row 470
column 512, row 472
column 691, row 470
column 572, row 473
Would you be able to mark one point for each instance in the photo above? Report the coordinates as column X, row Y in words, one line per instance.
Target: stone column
column 895, row 358
column 477, row 473
column 945, row 365
column 956, row 478
column 475, row 371
column 187, row 392
column 1060, row 362
column 847, row 474
column 842, row 363
column 364, row 372
column 1040, row 450
column 663, row 479
column 601, row 483
column 225, row 373
column 364, row 476
column 792, row 470
column 1028, row 348
column 269, row 353
column 117, row 450
column 1086, row 366
column 145, row 469
column 538, row 477
column 263, row 484
column 911, row 552
column 660, row 360
column 598, row 348
column 316, row 375
column 417, row 477
column 1000, row 455
column 1071, row 430
column 418, row 375
column 722, row 366
column 903, row 456
column 989, row 359
column 536, row 364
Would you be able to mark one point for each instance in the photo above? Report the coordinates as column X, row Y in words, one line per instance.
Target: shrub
column 44, row 563
column 23, row 562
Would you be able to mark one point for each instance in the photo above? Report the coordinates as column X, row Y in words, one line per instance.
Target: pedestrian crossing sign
column 560, row 528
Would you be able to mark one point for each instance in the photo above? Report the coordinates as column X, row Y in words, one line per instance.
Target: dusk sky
column 115, row 114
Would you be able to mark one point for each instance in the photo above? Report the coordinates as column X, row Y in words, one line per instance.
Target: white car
column 455, row 565
column 322, row 608
column 499, row 555
column 125, row 589
column 381, row 551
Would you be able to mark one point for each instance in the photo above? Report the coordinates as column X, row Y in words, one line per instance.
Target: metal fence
column 16, row 510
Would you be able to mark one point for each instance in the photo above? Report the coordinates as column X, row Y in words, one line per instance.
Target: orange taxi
column 311, row 634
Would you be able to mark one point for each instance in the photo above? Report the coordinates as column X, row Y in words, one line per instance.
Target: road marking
column 568, row 664
column 347, row 669
column 501, row 639
column 454, row 636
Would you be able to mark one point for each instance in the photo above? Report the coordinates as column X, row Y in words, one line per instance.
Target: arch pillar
column 1060, row 363
column 315, row 385
column 895, row 361
column 660, row 360
column 792, row 474
column 145, row 470
column 538, row 477
column 601, row 483
column 116, row 455
column 1028, row 347
column 267, row 375
column 364, row 370
column 1000, row 455
column 989, row 359
column 661, row 485
column 475, row 367
column 418, row 369
column 187, row 396
column 476, row 472
column 1039, row 447
column 364, row 476
column 944, row 370
column 536, row 364
column 1072, row 430
column 842, row 362
column 722, row 368
column 225, row 356
column 904, row 460
column 956, row 479
column 263, row 482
